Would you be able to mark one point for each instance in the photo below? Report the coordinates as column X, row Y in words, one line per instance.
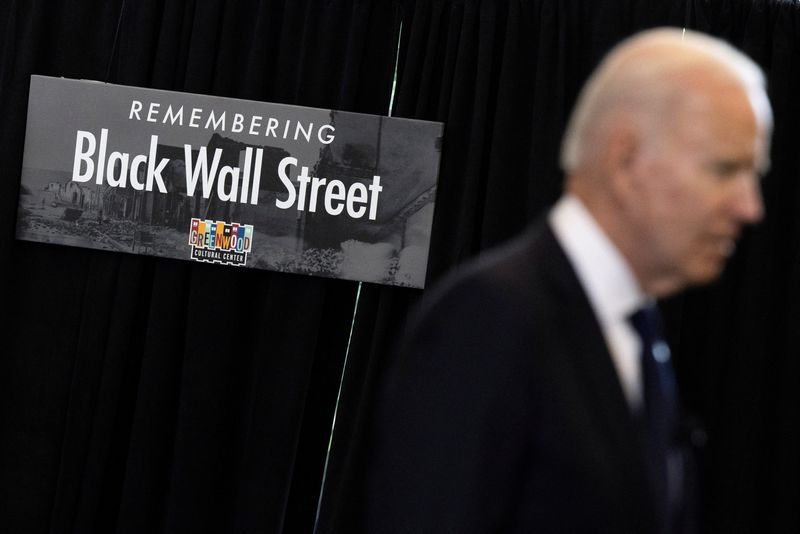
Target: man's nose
column 748, row 203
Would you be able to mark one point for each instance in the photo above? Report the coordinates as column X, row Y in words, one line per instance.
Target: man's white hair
column 646, row 75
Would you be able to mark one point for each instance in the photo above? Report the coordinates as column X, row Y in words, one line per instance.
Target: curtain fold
column 149, row 395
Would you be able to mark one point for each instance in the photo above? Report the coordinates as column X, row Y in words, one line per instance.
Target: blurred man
column 534, row 392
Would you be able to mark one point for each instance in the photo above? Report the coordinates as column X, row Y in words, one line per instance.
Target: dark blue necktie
column 660, row 415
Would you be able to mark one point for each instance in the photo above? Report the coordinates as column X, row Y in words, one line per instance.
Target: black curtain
column 503, row 75
column 148, row 395
column 126, row 405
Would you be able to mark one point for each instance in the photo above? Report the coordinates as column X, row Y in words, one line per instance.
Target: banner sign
column 227, row 181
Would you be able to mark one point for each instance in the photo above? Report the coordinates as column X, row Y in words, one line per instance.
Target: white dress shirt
column 608, row 281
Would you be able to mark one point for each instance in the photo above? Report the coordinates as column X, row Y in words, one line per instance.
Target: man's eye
column 726, row 169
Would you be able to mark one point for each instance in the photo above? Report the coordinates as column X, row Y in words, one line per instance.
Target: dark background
column 151, row 395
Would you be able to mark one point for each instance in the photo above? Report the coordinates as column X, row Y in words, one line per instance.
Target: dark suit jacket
column 504, row 412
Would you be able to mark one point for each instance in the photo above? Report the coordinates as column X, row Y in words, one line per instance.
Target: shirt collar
column 608, row 280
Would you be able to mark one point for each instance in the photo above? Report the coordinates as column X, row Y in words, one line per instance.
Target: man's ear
column 622, row 156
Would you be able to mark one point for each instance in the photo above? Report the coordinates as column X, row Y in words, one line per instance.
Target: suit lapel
column 598, row 376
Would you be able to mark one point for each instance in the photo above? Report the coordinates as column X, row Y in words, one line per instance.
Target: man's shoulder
column 513, row 288
column 509, row 271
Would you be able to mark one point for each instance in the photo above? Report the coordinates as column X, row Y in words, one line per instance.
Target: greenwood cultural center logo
column 220, row 242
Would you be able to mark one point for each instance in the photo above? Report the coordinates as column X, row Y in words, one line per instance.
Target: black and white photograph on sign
column 232, row 182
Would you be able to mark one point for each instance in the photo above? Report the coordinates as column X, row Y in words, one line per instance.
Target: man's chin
column 707, row 272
